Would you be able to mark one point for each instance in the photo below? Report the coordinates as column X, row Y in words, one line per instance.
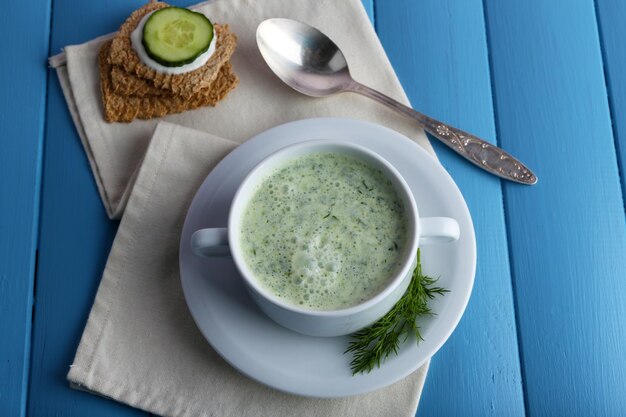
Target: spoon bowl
column 303, row 57
column 311, row 63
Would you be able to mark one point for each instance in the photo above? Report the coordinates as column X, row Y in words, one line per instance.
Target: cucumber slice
column 174, row 36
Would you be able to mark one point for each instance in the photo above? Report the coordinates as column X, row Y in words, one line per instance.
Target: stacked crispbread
column 132, row 90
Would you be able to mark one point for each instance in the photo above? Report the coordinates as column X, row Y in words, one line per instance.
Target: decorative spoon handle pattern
column 483, row 154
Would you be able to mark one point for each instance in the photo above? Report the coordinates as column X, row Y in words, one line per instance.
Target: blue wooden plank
column 567, row 233
column 439, row 52
column 611, row 16
column 23, row 82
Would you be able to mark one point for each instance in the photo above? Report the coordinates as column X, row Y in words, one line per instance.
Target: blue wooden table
column 545, row 330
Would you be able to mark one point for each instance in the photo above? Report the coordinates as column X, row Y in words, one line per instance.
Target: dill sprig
column 375, row 343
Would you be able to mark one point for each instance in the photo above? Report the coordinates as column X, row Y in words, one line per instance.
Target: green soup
column 325, row 231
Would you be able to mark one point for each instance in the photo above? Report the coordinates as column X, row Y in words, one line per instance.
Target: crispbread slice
column 122, row 108
column 128, row 83
column 185, row 85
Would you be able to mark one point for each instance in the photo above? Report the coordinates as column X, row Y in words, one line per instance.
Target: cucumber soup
column 325, row 231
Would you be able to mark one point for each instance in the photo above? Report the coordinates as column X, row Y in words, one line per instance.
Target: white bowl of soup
column 325, row 236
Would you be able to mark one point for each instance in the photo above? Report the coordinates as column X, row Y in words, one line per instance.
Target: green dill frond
column 372, row 345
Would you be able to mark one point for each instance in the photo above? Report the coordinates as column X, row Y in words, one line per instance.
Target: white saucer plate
column 314, row 366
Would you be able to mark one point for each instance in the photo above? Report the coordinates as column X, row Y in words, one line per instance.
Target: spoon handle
column 483, row 154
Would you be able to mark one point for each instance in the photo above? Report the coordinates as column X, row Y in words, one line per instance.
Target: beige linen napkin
column 141, row 346
column 259, row 102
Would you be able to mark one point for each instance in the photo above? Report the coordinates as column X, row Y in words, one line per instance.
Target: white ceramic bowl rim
column 321, row 145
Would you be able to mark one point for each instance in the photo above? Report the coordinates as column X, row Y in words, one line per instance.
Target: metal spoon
column 309, row 62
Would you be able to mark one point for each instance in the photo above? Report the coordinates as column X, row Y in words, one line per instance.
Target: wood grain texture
column 567, row 234
column 611, row 15
column 22, row 105
column 439, row 52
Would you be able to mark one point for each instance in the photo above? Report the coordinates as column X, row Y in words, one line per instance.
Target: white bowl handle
column 438, row 230
column 211, row 243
